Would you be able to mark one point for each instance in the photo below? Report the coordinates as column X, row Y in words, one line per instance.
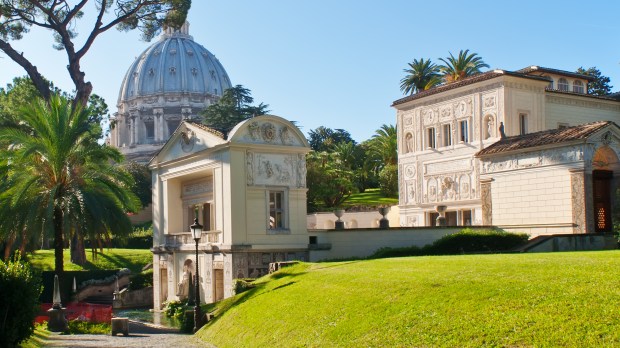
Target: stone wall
column 353, row 243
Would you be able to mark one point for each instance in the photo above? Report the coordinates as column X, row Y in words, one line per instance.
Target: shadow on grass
column 121, row 261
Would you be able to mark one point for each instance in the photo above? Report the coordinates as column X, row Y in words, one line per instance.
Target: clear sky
column 339, row 63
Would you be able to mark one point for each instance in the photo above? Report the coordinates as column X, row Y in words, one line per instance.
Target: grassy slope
column 134, row 259
column 371, row 197
column 554, row 299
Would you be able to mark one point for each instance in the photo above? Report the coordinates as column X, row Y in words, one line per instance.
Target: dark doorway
column 602, row 200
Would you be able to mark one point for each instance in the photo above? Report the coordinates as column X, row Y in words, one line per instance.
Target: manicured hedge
column 465, row 241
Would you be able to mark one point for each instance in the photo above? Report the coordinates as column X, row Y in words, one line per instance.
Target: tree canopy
column 325, row 139
column 421, row 75
column 464, row 65
column 234, row 106
column 61, row 17
column 600, row 86
column 58, row 181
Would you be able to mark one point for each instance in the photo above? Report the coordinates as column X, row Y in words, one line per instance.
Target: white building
column 442, row 129
column 172, row 80
column 248, row 191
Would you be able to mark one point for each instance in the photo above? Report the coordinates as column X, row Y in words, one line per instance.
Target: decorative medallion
column 269, row 132
column 410, row 171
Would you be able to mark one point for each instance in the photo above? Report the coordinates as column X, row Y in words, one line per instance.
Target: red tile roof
column 467, row 81
column 534, row 68
column 205, row 128
column 547, row 137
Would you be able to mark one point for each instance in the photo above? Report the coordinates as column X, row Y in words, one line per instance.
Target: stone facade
column 247, row 190
column 442, row 129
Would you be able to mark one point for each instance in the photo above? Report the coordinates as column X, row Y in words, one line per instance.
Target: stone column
column 132, row 127
column 487, row 204
column 582, row 201
column 158, row 124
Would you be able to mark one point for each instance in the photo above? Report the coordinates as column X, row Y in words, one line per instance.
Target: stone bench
column 120, row 325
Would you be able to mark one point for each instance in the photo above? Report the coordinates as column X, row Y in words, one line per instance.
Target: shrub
column 388, row 180
column 19, row 293
column 79, row 327
column 241, row 285
column 466, row 241
column 470, row 240
column 141, row 280
column 174, row 309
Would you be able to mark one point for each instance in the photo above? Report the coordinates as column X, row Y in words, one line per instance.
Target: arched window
column 577, row 86
column 563, row 84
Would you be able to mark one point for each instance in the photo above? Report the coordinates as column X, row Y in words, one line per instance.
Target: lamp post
column 196, row 229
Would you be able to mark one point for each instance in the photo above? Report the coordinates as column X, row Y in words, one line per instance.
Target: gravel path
column 140, row 335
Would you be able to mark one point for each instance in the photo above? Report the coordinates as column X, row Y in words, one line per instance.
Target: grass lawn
column 566, row 299
column 134, row 259
column 371, row 197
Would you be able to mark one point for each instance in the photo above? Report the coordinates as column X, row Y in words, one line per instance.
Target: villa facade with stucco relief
column 442, row 130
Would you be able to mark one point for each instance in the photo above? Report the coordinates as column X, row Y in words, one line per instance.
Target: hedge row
column 465, row 241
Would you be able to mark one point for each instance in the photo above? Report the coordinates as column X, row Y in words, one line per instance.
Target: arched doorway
column 604, row 164
column 602, row 200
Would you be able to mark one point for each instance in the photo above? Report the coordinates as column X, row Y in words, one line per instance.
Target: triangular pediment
column 188, row 139
column 268, row 130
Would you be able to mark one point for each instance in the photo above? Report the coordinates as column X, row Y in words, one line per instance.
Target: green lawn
column 134, row 259
column 370, row 197
column 545, row 299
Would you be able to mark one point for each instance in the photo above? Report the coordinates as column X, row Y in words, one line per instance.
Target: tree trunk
column 8, row 246
column 58, row 243
column 78, row 254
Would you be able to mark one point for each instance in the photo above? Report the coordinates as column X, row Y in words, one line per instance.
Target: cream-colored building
column 441, row 130
column 248, row 191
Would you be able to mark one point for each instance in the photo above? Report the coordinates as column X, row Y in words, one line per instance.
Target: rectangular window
column 150, row 130
column 206, row 217
column 430, row 138
column 522, row 123
column 447, row 135
column 276, row 210
column 463, row 131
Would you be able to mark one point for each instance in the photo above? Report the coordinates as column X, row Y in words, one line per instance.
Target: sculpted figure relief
column 183, row 286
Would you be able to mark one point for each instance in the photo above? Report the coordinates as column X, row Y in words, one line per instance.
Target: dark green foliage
column 141, row 280
column 187, row 321
column 388, row 180
column 470, row 241
column 233, row 107
column 466, row 241
column 142, row 181
column 19, row 293
column 325, row 139
column 421, row 75
column 174, row 309
column 329, row 182
column 600, row 86
column 241, row 285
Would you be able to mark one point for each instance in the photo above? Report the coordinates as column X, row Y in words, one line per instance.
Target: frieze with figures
column 276, row 169
column 561, row 155
column 452, row 187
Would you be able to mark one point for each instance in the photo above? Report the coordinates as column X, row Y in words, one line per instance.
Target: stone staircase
column 569, row 242
column 105, row 299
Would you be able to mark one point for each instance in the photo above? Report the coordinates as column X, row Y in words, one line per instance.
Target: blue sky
column 339, row 63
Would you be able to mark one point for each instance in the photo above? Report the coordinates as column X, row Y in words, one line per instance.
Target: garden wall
column 362, row 242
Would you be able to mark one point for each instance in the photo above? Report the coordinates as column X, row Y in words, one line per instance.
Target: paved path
column 140, row 335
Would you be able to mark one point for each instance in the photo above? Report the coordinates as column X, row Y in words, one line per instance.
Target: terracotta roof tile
column 205, row 128
column 467, row 81
column 534, row 68
column 547, row 137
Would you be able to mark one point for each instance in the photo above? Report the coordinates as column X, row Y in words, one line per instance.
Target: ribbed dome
column 174, row 64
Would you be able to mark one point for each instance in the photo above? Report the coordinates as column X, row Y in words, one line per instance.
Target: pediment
column 186, row 140
column 269, row 130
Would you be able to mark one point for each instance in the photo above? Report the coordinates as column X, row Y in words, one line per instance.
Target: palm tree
column 465, row 65
column 58, row 180
column 422, row 75
column 383, row 145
